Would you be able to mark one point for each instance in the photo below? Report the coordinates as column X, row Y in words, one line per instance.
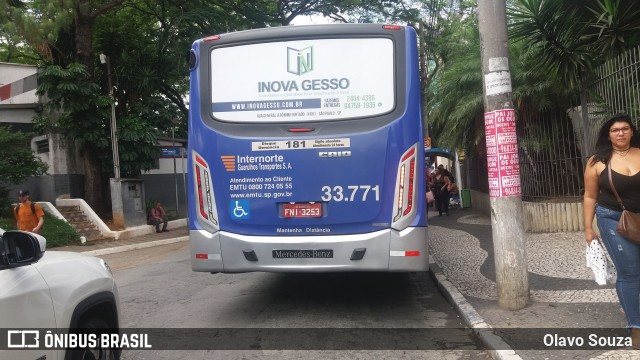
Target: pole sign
column 427, row 143
column 502, row 153
column 171, row 152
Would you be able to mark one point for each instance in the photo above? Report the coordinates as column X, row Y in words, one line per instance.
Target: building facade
column 19, row 104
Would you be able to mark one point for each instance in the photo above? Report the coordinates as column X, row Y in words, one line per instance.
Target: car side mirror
column 21, row 248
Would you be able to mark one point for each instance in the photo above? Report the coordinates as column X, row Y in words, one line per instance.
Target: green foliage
column 616, row 26
column 30, row 28
column 5, row 203
column 7, row 223
column 79, row 109
column 150, row 203
column 17, row 162
column 570, row 50
column 455, row 91
column 58, row 232
column 75, row 105
column 550, row 58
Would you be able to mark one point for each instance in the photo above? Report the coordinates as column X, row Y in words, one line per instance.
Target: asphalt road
column 283, row 316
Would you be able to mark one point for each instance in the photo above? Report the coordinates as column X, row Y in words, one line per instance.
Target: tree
column 455, row 91
column 548, row 52
column 62, row 33
column 570, row 50
column 17, row 162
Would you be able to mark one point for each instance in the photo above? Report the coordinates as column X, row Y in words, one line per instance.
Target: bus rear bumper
column 385, row 250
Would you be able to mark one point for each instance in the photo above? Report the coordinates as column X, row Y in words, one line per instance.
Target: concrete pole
column 175, row 175
column 458, row 177
column 114, row 129
column 502, row 158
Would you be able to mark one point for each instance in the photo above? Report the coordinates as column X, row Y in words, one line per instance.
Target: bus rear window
column 303, row 80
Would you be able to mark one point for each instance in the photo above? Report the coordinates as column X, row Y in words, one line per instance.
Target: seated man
column 158, row 216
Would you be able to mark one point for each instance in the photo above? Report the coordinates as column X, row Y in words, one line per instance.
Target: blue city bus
column 306, row 151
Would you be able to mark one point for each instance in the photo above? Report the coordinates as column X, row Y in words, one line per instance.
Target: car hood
column 60, row 266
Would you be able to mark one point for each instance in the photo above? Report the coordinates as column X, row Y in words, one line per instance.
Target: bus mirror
column 191, row 59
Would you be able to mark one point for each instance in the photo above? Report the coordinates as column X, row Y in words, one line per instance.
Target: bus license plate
column 302, row 254
column 301, row 210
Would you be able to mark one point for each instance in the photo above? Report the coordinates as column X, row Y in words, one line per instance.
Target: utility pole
column 173, row 149
column 502, row 158
column 114, row 131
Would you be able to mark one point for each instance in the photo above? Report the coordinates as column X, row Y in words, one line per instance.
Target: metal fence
column 553, row 146
column 616, row 90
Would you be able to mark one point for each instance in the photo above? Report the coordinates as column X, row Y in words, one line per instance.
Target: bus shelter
column 465, row 196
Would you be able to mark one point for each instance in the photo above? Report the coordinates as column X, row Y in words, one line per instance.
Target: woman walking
column 616, row 153
column 440, row 184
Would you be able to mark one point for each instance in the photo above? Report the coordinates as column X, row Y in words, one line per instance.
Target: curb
column 144, row 245
column 495, row 345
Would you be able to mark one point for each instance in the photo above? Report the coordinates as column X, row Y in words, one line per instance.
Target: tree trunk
column 92, row 167
column 92, row 179
column 84, row 37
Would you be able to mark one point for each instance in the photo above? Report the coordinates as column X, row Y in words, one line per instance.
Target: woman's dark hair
column 603, row 144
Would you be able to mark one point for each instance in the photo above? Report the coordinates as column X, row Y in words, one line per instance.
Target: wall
column 541, row 217
column 10, row 73
column 480, row 202
column 160, row 183
column 161, row 187
column 65, row 175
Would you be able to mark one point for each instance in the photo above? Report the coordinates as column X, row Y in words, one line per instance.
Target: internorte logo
column 248, row 162
column 299, row 61
column 229, row 162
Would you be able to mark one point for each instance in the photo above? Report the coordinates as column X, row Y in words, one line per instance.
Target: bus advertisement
column 305, row 151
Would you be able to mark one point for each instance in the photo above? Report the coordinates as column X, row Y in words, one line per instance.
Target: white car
column 54, row 291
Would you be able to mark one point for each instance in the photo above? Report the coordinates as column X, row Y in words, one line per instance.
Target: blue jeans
column 626, row 258
column 156, row 222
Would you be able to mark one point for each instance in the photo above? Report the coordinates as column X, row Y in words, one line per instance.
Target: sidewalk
column 564, row 296
column 138, row 242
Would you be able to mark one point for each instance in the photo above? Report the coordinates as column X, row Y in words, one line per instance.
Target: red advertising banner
column 502, row 153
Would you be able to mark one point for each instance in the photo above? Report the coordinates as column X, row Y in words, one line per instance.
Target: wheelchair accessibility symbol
column 239, row 209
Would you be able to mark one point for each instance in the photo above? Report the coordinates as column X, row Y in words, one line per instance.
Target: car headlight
column 106, row 266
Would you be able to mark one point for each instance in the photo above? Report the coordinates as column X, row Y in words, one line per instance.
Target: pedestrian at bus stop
column 429, row 192
column 440, row 184
column 29, row 216
column 157, row 216
column 616, row 148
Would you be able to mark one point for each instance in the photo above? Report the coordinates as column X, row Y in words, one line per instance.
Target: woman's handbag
column 430, row 197
column 603, row 269
column 629, row 224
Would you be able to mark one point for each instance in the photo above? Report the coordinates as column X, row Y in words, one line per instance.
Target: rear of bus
column 305, row 151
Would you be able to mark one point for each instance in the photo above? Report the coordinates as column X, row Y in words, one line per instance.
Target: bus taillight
column 205, row 202
column 405, row 197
